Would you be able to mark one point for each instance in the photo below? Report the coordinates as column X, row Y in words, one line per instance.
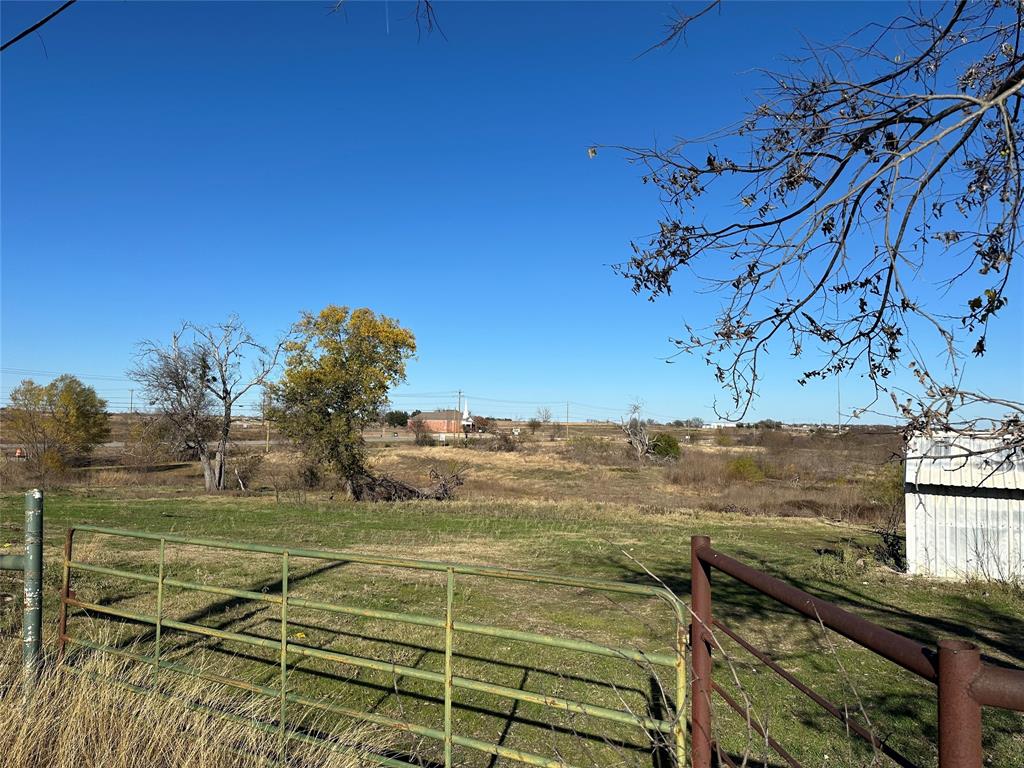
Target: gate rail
column 674, row 729
column 965, row 683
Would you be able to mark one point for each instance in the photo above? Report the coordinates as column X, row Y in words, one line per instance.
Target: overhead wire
column 120, row 396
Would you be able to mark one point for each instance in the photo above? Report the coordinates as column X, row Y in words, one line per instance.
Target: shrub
column 665, row 446
column 309, row 474
column 419, row 429
column 745, row 468
column 702, row 470
column 503, row 441
column 837, row 565
column 723, row 438
column 245, row 467
column 589, row 449
column 774, row 439
column 885, row 490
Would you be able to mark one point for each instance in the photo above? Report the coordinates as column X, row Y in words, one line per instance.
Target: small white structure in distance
column 964, row 508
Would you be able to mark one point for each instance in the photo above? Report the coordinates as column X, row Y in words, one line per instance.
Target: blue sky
column 163, row 162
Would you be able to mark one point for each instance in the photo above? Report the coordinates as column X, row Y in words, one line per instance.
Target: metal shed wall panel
column 965, row 516
column 961, row 536
column 943, row 460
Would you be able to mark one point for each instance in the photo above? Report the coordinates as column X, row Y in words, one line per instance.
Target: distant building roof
column 439, row 415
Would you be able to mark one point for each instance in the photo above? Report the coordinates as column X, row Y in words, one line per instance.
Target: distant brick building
column 440, row 421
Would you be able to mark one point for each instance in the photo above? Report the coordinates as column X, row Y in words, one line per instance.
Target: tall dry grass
column 84, row 719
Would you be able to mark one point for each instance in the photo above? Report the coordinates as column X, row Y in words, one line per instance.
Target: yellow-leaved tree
column 340, row 365
column 57, row 424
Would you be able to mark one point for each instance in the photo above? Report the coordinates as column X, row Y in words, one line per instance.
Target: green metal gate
column 672, row 730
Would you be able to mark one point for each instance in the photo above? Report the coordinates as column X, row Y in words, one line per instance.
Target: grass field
column 553, row 510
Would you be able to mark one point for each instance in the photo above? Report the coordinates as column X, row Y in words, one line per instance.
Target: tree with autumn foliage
column 58, row 424
column 340, row 365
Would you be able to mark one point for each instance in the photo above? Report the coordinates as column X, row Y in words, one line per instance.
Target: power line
column 35, row 372
column 124, row 396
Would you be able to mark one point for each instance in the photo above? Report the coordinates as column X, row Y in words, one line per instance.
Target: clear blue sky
column 163, row 162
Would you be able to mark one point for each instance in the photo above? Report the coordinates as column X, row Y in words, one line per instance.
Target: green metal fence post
column 680, row 724
column 159, row 613
column 65, row 593
column 284, row 656
column 449, row 626
column 32, row 628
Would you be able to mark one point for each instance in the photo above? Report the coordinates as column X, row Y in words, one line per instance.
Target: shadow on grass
column 251, row 619
column 910, row 716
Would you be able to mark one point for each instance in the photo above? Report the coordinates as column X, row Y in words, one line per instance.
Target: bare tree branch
column 856, row 173
column 37, row 25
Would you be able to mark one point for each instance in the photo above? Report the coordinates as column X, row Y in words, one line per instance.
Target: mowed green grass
column 609, row 541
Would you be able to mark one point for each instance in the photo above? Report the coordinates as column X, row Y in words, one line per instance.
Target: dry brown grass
column 763, row 473
column 85, row 719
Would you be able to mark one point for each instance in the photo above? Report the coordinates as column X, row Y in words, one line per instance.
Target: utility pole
column 459, row 408
column 131, row 401
column 566, row 419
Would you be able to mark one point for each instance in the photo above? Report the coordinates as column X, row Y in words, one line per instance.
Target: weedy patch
column 100, row 711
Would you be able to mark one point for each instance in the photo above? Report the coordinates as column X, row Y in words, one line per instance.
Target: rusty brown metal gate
column 964, row 682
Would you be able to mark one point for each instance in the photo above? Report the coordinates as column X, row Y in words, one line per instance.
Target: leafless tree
column 544, row 415
column 195, row 385
column 420, row 431
column 636, row 432
column 869, row 164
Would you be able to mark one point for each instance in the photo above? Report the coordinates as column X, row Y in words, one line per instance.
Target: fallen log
column 368, row 487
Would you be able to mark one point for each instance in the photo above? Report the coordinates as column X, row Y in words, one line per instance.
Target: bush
column 702, row 470
column 589, row 449
column 837, row 565
column 774, row 439
column 723, row 438
column 310, row 474
column 665, row 446
column 423, row 435
column 503, row 441
column 885, row 491
column 244, row 467
column 745, row 468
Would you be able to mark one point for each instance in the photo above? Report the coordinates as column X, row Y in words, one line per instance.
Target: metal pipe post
column 65, row 593
column 159, row 613
column 680, row 724
column 959, row 712
column 283, row 728
column 32, row 627
column 449, row 625
column 700, row 646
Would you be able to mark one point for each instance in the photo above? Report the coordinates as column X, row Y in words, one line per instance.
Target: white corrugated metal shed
column 964, row 508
